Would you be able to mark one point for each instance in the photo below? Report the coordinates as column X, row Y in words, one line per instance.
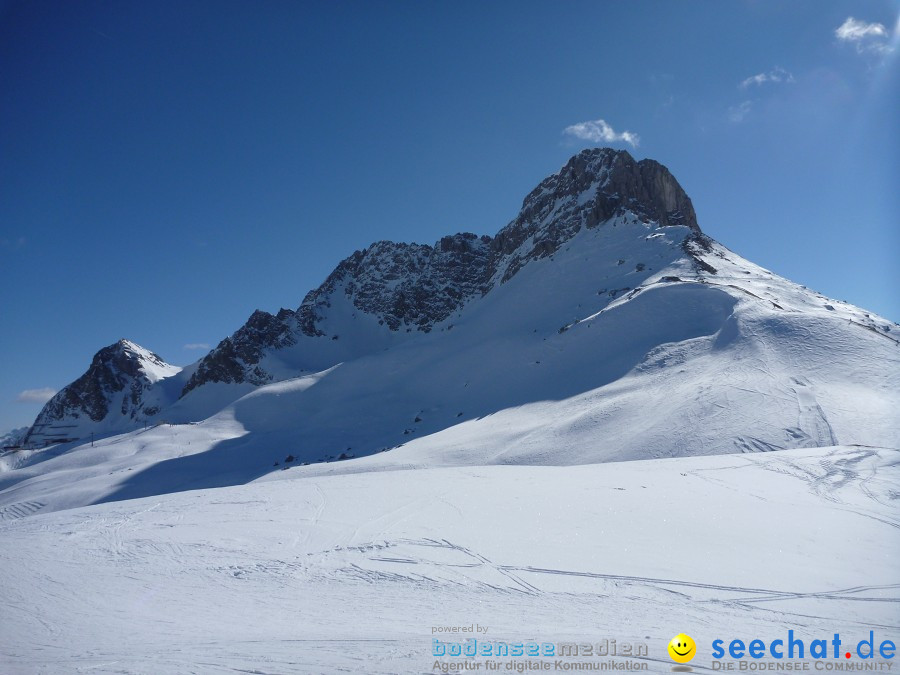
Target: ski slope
column 306, row 573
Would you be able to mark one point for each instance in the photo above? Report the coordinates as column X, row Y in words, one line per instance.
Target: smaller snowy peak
column 136, row 361
column 128, row 359
column 114, row 389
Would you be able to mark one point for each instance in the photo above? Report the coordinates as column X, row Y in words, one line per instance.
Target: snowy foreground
column 306, row 573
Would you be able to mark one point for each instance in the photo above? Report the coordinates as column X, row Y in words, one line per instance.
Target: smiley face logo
column 682, row 648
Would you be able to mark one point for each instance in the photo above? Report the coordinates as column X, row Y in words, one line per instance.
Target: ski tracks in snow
column 810, row 417
column 20, row 510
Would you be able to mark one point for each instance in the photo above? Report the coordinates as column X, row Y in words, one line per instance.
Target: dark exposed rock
column 594, row 186
column 236, row 357
column 433, row 282
column 695, row 246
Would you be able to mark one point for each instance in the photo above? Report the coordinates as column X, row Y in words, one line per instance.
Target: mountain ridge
column 594, row 186
column 603, row 231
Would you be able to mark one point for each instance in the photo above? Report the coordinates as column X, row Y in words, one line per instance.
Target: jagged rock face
column 406, row 284
column 234, row 359
column 415, row 286
column 115, row 382
column 402, row 284
column 594, row 186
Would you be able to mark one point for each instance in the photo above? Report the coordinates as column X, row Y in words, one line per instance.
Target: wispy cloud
column 866, row 37
column 36, row 395
column 196, row 345
column 854, row 29
column 775, row 76
column 597, row 131
column 737, row 113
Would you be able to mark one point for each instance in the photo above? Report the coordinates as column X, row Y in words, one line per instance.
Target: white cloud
column 866, row 37
column 36, row 395
column 596, row 131
column 853, row 29
column 737, row 113
column 774, row 76
column 196, row 345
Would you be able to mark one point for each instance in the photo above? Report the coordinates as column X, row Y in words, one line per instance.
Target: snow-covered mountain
column 125, row 386
column 417, row 288
column 600, row 324
column 426, row 400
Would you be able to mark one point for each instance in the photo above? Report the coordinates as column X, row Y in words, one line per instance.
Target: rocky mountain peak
column 594, row 186
column 410, row 288
column 125, row 357
column 117, row 380
column 609, row 182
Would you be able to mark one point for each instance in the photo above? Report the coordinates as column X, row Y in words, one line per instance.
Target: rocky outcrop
column 594, row 186
column 236, row 358
column 413, row 285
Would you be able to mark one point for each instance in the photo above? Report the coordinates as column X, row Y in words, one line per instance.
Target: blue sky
column 168, row 167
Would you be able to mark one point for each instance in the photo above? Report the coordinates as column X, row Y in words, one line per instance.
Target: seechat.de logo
column 793, row 647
